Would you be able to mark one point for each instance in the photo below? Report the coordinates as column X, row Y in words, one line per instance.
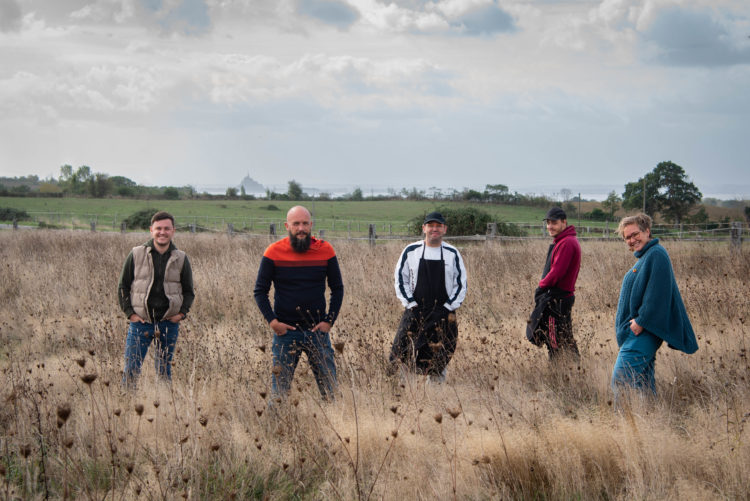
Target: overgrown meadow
column 505, row 425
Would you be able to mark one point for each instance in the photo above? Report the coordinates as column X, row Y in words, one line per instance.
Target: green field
column 338, row 216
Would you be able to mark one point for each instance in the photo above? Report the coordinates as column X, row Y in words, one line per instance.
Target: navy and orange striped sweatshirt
column 299, row 281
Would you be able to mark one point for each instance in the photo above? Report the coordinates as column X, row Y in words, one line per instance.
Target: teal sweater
column 649, row 294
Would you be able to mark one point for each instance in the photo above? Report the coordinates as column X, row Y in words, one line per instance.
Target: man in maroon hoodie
column 550, row 323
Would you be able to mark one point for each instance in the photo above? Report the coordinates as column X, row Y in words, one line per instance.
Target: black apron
column 429, row 350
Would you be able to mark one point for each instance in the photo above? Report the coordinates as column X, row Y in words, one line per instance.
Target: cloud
column 485, row 20
column 10, row 15
column 694, row 37
column 333, row 12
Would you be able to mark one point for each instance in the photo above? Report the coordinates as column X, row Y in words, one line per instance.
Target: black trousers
column 556, row 327
column 427, row 352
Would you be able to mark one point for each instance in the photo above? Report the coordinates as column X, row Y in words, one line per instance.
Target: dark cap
column 555, row 213
column 434, row 216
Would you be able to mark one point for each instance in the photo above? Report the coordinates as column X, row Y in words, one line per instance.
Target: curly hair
column 642, row 220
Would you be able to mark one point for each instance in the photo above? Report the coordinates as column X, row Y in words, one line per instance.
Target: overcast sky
column 448, row 93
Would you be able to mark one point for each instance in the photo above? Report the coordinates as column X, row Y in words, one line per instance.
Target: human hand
column 136, row 318
column 176, row 317
column 280, row 328
column 637, row 329
column 322, row 327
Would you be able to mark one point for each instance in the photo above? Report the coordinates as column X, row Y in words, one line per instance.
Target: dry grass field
column 505, row 425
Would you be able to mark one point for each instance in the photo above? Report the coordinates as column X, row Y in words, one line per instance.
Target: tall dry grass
column 505, row 425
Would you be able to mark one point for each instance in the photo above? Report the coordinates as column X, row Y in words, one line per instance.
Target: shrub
column 464, row 221
column 9, row 214
column 171, row 193
column 140, row 219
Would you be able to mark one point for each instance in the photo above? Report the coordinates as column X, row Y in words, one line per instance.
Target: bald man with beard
column 299, row 267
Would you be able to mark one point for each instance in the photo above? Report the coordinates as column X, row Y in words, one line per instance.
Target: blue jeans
column 635, row 363
column 140, row 335
column 286, row 351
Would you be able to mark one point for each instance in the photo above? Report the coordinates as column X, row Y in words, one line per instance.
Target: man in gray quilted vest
column 155, row 292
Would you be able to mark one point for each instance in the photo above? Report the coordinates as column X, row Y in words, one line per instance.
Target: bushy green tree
column 611, row 204
column 140, row 219
column 294, row 192
column 171, row 193
column 668, row 191
column 463, row 221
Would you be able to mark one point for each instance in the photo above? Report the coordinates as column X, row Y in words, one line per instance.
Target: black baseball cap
column 555, row 213
column 434, row 216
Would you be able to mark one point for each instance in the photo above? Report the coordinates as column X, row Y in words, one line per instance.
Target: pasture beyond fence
column 373, row 229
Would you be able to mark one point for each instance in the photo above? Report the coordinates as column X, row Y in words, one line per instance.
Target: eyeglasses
column 632, row 235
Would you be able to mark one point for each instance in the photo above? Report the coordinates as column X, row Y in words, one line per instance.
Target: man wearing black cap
column 431, row 284
column 550, row 323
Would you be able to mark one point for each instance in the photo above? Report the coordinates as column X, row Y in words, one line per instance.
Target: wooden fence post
column 371, row 234
column 272, row 230
column 123, row 227
column 491, row 230
column 322, row 234
column 93, row 226
column 736, row 237
column 230, row 229
column 15, row 223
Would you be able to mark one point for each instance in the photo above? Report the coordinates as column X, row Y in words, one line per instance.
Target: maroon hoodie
column 563, row 262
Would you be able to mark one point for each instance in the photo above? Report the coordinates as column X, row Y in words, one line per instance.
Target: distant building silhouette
column 251, row 185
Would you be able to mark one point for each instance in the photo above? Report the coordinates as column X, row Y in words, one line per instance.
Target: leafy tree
column 357, row 194
column 668, row 191
column 231, row 192
column 294, row 192
column 99, row 185
column 472, row 196
column 700, row 216
column 677, row 194
column 611, row 204
column 123, row 186
column 633, row 196
column 170, row 193
column 496, row 192
column 747, row 213
column 597, row 215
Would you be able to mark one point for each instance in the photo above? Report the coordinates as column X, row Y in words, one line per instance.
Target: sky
column 539, row 96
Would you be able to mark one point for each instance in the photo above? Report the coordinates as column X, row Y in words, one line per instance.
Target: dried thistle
column 454, row 413
column 89, row 378
column 339, row 346
column 63, row 412
column 139, row 409
column 438, row 418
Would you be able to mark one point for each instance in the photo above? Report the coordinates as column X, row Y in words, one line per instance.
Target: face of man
column 299, row 225
column 162, row 232
column 556, row 226
column 634, row 237
column 434, row 232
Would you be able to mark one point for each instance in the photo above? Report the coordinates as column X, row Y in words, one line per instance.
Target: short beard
column 299, row 244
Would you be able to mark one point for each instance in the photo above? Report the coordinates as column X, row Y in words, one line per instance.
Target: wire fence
column 373, row 229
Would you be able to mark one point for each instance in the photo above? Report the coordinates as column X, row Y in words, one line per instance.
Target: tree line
column 666, row 190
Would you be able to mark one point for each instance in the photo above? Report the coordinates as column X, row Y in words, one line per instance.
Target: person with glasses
column 650, row 310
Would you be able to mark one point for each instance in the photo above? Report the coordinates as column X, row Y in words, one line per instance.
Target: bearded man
column 298, row 267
